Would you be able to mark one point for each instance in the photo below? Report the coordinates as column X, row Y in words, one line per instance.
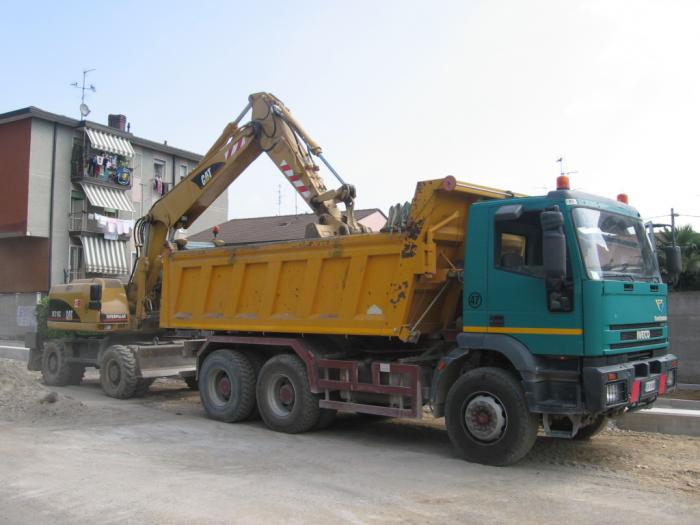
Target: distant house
column 278, row 227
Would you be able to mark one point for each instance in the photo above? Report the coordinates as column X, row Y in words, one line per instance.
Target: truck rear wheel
column 118, row 375
column 56, row 370
column 227, row 386
column 285, row 401
column 593, row 429
column 487, row 417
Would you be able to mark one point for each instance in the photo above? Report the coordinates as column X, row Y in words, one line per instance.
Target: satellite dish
column 84, row 110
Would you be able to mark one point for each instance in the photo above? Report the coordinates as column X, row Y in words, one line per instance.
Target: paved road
column 158, row 460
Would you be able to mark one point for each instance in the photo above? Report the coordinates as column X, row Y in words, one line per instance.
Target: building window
column 158, row 169
column 183, row 171
column 159, row 186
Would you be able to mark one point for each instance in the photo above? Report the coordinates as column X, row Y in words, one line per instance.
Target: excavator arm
column 273, row 130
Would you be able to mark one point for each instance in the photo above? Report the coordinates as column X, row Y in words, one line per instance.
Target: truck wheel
column 55, row 368
column 285, row 400
column 593, row 429
column 227, row 386
column 487, row 417
column 118, row 375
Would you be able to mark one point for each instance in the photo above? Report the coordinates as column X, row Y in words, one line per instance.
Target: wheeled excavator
column 115, row 327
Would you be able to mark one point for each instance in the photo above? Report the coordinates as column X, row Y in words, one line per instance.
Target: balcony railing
column 80, row 222
column 71, row 274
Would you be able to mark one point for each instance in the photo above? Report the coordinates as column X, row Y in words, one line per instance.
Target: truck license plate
column 650, row 386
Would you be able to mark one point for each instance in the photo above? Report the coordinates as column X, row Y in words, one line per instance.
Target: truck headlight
column 671, row 378
column 616, row 392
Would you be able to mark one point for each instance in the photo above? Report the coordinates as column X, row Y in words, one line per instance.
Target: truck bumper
column 628, row 385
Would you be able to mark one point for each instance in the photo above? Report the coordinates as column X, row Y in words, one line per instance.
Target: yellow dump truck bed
column 378, row 284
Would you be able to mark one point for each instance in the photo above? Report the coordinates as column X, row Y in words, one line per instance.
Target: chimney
column 117, row 121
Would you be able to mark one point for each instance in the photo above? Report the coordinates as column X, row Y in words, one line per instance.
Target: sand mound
column 24, row 398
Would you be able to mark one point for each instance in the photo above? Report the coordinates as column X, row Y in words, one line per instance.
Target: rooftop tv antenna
column 560, row 160
column 84, row 109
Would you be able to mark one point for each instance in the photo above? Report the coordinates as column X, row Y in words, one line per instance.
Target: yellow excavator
column 115, row 327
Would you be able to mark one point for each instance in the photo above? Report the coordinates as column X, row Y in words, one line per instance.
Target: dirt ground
column 76, row 456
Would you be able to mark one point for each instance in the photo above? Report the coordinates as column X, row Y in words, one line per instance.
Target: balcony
column 106, row 169
column 84, row 222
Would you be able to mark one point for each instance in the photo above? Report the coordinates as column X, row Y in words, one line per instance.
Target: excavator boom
column 273, row 130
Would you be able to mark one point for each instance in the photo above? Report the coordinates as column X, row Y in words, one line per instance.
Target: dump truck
column 508, row 315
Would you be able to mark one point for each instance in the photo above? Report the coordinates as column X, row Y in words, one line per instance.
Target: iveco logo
column 660, row 304
column 643, row 334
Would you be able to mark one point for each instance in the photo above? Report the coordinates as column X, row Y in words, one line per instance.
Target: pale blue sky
column 489, row 91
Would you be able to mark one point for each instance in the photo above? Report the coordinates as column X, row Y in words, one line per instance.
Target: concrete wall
column 684, row 328
column 17, row 314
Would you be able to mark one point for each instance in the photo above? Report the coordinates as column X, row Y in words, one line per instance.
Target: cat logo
column 204, row 177
column 660, row 304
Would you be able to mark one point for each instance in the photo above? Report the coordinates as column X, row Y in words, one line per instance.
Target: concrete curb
column 15, row 352
column 673, row 416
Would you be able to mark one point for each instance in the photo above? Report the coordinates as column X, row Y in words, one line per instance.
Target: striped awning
column 104, row 256
column 105, row 197
column 107, row 142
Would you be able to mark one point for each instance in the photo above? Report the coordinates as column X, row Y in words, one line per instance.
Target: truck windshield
column 614, row 246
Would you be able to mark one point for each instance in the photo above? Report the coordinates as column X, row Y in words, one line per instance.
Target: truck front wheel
column 285, row 401
column 487, row 417
column 227, row 386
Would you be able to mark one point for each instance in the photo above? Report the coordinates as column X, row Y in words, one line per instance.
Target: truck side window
column 519, row 245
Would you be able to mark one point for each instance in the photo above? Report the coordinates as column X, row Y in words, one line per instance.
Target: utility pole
column 673, row 226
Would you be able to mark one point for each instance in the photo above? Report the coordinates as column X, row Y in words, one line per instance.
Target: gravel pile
column 24, row 398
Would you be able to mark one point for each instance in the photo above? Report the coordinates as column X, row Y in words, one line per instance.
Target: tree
column 689, row 242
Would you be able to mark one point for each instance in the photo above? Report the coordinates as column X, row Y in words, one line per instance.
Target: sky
column 492, row 92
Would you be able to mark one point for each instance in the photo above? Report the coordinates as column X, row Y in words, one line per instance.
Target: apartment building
column 71, row 192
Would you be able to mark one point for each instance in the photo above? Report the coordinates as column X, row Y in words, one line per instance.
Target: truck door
column 517, row 303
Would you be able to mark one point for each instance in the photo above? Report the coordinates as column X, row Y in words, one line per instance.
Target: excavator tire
column 227, row 386
column 118, row 375
column 191, row 382
column 142, row 386
column 55, row 368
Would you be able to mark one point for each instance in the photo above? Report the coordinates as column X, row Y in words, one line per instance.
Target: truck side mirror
column 674, row 263
column 553, row 245
column 559, row 298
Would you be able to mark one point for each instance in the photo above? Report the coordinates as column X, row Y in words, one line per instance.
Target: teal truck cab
column 562, row 291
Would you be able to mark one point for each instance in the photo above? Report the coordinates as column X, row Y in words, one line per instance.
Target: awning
column 105, row 197
column 112, row 143
column 103, row 256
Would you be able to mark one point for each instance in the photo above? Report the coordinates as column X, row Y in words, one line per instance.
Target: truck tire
column 118, row 375
column 55, row 368
column 285, row 401
column 487, row 417
column 593, row 429
column 227, row 386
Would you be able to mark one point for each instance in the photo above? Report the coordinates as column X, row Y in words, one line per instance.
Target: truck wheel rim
column 281, row 395
column 114, row 372
column 220, row 387
column 485, row 417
